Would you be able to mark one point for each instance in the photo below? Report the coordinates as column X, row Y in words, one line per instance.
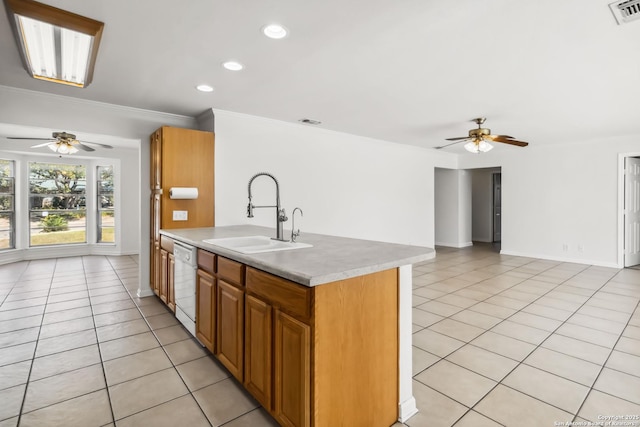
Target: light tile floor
column 498, row 340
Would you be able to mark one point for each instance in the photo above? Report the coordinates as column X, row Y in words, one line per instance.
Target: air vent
column 625, row 11
column 316, row 122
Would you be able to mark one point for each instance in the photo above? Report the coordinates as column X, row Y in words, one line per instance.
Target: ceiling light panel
column 55, row 45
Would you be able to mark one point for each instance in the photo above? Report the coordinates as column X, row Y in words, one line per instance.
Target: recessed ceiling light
column 204, row 88
column 275, row 31
column 233, row 65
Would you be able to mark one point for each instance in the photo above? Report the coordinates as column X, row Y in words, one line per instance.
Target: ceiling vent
column 625, row 11
column 315, row 122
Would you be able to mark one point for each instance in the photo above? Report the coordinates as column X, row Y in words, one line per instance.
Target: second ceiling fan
column 63, row 143
column 478, row 139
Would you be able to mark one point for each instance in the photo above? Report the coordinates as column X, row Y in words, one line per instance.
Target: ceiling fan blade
column 462, row 138
column 445, row 146
column 41, row 145
column 498, row 138
column 81, row 146
column 31, row 139
column 97, row 143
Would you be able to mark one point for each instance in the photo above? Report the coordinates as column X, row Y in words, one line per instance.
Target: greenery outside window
column 57, row 204
column 7, row 205
column 106, row 217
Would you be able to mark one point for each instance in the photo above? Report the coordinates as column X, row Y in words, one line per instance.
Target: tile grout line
column 35, row 349
column 602, row 368
column 168, row 357
column 536, row 347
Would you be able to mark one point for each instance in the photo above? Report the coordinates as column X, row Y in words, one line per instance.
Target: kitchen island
column 320, row 335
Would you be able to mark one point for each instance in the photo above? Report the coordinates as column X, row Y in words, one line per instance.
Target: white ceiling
column 407, row 71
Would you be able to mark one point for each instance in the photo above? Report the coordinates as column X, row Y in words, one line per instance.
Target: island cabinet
column 313, row 356
column 206, row 299
column 166, row 289
column 324, row 355
column 230, row 316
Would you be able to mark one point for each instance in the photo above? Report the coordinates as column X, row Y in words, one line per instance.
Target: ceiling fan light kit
column 62, row 147
column 478, row 139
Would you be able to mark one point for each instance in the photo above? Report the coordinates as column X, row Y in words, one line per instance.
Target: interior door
column 497, row 207
column 632, row 211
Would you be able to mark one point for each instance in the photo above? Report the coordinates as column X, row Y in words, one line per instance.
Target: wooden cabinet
column 205, row 308
column 230, row 316
column 206, row 299
column 258, row 349
column 278, row 322
column 312, row 356
column 166, row 288
column 178, row 158
column 292, row 371
column 230, row 328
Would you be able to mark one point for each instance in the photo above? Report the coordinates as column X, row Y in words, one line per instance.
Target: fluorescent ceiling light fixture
column 55, row 45
column 275, row 31
column 478, row 146
column 233, row 65
column 204, row 88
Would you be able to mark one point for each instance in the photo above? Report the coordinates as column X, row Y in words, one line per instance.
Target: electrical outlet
column 565, row 247
column 580, row 248
column 180, row 215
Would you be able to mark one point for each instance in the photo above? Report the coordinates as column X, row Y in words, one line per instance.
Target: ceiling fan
column 64, row 143
column 478, row 139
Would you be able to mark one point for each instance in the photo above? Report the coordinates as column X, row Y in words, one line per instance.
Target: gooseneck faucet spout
column 295, row 233
column 281, row 216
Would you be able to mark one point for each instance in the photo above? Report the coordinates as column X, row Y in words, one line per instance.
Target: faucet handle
column 282, row 216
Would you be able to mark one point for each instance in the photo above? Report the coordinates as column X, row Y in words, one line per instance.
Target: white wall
column 566, row 194
column 345, row 184
column 452, row 208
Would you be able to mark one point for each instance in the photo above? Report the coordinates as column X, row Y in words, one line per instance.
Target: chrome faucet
column 281, row 216
column 295, row 233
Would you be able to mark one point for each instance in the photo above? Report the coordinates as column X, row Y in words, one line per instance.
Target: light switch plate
column 180, row 215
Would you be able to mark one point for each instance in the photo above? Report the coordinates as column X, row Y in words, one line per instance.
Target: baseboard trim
column 455, row 245
column 407, row 409
column 560, row 259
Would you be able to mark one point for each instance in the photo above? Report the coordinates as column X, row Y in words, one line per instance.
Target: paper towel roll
column 183, row 193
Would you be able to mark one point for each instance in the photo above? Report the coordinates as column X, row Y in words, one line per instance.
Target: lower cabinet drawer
column 280, row 293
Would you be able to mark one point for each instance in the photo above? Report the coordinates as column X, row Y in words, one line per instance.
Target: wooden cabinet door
column 171, row 291
column 292, row 371
column 257, row 350
column 157, row 267
column 230, row 327
column 205, row 308
column 164, row 276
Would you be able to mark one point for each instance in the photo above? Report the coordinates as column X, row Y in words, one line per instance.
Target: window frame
column 12, row 196
column 53, row 195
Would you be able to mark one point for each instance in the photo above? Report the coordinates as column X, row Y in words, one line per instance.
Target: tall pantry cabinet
column 179, row 158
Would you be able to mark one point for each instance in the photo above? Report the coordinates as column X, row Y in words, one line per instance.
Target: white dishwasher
column 186, row 264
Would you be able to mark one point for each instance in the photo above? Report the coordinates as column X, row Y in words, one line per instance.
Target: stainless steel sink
column 255, row 244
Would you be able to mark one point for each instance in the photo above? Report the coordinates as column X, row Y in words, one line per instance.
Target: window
column 106, row 218
column 7, row 205
column 57, row 204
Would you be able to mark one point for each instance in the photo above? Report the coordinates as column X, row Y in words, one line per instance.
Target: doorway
column 631, row 212
column 497, row 207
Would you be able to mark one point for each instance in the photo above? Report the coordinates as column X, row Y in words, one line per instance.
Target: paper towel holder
column 183, row 193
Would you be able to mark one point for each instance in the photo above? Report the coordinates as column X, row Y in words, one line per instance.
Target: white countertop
column 330, row 259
